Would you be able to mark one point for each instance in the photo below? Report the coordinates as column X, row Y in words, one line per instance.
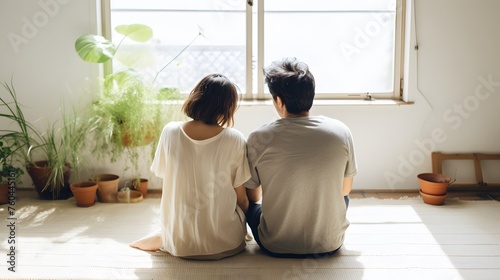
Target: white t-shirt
column 199, row 214
column 301, row 164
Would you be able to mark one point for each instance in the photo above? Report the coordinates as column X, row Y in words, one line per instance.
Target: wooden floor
column 384, row 194
column 463, row 195
column 386, row 239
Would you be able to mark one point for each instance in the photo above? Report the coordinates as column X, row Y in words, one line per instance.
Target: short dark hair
column 213, row 100
column 291, row 80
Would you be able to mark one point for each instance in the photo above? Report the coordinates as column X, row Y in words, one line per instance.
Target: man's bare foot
column 151, row 242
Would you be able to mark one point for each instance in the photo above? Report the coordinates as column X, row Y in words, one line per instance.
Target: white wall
column 455, row 107
column 37, row 52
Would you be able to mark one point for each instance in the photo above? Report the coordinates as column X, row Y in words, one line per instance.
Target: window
column 353, row 47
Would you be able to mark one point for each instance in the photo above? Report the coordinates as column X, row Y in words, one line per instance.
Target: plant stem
column 175, row 57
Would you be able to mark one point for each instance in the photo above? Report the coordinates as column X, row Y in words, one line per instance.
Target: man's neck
column 299, row 115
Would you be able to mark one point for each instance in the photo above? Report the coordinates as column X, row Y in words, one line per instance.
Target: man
column 302, row 166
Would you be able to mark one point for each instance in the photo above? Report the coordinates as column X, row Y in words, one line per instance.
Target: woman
column 203, row 166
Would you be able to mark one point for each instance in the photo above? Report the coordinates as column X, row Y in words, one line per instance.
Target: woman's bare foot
column 151, row 242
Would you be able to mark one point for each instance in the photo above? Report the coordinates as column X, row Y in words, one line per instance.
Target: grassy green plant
column 26, row 135
column 61, row 144
column 73, row 139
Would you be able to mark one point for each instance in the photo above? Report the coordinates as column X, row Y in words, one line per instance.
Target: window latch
column 369, row 97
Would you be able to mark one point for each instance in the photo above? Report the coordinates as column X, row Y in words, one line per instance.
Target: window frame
column 261, row 94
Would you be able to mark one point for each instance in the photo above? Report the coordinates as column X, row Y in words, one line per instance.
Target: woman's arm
column 241, row 198
column 254, row 195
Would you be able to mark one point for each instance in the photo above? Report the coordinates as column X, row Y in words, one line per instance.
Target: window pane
column 175, row 24
column 335, row 5
column 348, row 45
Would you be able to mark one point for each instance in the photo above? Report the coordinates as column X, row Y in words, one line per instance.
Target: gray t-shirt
column 301, row 164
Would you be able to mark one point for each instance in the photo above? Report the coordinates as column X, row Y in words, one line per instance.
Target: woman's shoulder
column 234, row 133
column 173, row 125
column 171, row 128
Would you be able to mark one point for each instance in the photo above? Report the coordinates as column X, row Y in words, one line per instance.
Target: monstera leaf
column 97, row 49
column 94, row 48
column 136, row 32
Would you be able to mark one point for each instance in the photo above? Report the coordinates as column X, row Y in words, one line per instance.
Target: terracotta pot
column 39, row 173
column 127, row 139
column 4, row 193
column 433, row 199
column 141, row 185
column 433, row 183
column 108, row 187
column 84, row 193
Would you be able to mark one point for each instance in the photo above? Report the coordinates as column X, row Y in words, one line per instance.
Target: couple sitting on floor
column 290, row 179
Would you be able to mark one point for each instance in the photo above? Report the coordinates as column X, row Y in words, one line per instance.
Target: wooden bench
column 437, row 167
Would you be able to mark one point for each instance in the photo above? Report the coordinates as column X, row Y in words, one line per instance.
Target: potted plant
column 130, row 111
column 8, row 172
column 126, row 195
column 51, row 172
column 84, row 193
column 140, row 184
column 49, row 156
column 107, row 189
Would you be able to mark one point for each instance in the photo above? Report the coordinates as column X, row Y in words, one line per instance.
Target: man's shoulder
column 325, row 119
column 263, row 129
column 330, row 121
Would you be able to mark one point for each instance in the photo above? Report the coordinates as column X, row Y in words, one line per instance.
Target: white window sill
column 335, row 102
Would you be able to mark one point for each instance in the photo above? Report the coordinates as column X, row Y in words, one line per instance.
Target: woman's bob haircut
column 213, row 101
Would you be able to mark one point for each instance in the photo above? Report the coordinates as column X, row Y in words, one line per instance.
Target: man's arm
column 347, row 186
